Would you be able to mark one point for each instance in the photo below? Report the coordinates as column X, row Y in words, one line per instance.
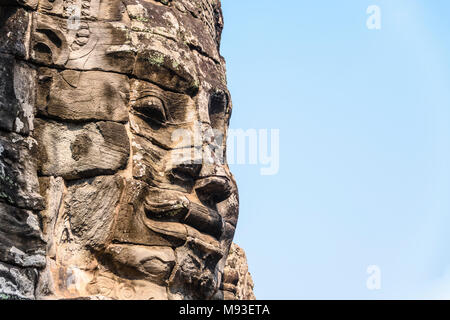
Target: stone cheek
column 90, row 209
column 75, row 151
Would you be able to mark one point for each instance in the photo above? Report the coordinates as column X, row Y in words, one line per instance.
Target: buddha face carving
column 132, row 112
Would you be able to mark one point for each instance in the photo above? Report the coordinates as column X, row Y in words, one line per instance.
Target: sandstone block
column 17, row 95
column 90, row 207
column 19, row 184
column 21, row 243
column 74, row 151
column 83, row 96
column 17, row 283
column 14, row 31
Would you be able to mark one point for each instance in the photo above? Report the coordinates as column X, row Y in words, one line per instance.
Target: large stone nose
column 213, row 189
column 214, row 183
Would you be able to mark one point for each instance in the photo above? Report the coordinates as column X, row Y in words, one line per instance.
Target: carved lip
column 205, row 242
column 181, row 210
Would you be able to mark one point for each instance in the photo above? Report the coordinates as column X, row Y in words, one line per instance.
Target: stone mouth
column 206, row 243
column 182, row 211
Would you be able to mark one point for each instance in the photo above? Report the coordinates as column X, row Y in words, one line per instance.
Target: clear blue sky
column 364, row 119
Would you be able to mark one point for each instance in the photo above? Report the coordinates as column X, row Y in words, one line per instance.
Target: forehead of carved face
column 133, row 99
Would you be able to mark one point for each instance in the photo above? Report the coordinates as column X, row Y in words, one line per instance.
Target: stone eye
column 151, row 107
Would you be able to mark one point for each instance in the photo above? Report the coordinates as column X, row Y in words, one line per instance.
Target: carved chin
column 186, row 271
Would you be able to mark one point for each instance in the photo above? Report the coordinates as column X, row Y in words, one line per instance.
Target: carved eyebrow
column 142, row 94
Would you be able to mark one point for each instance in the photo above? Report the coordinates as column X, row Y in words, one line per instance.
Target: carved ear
column 49, row 44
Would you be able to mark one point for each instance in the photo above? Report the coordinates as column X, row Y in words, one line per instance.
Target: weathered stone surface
column 76, row 151
column 18, row 179
column 31, row 4
column 82, row 96
column 150, row 160
column 102, row 46
column 90, row 208
column 131, row 221
column 152, row 42
column 21, row 243
column 132, row 107
column 17, row 95
column 15, row 25
column 195, row 276
column 238, row 282
column 157, row 115
column 92, row 10
column 152, row 263
column 110, row 285
column 52, row 189
column 17, row 283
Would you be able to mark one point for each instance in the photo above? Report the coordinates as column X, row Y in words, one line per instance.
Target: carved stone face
column 132, row 115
